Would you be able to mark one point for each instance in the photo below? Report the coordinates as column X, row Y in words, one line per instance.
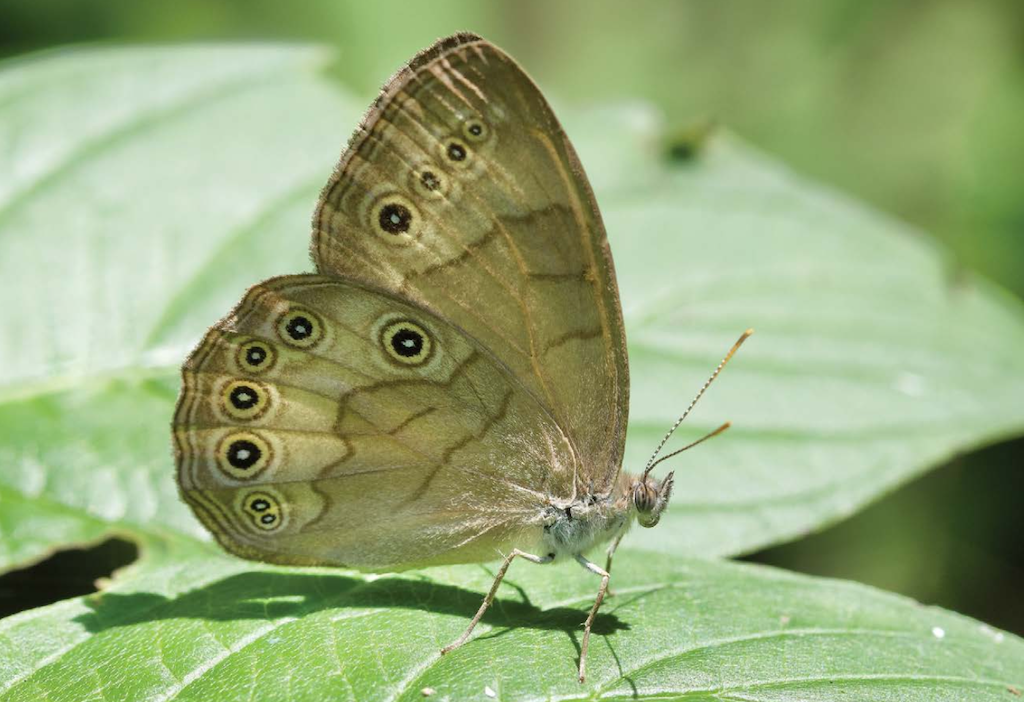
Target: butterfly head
column 650, row 498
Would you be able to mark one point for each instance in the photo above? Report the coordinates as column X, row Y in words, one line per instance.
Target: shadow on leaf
column 270, row 596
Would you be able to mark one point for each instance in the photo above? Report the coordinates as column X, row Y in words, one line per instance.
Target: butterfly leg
column 611, row 552
column 596, row 570
column 490, row 595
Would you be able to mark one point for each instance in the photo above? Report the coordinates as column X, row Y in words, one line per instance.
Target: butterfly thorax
column 586, row 522
column 576, row 525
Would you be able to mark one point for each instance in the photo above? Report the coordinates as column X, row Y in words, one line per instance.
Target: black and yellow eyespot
column 475, row 130
column 429, row 182
column 264, row 509
column 456, row 152
column 244, row 454
column 300, row 328
column 406, row 342
column 255, row 357
column 244, row 400
column 395, row 218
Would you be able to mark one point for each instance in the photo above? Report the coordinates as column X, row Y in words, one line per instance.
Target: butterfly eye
column 245, row 400
column 406, row 342
column 395, row 218
column 243, row 455
column 265, row 510
column 255, row 357
column 300, row 328
column 644, row 498
column 475, row 130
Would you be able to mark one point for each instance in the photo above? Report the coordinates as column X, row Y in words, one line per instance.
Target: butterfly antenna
column 652, row 462
column 701, row 440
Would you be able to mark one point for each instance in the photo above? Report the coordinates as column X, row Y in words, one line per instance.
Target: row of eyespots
column 243, row 455
column 395, row 216
column 404, row 341
column 458, row 151
column 298, row 327
column 264, row 509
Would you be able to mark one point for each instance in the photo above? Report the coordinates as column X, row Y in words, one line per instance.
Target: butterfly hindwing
column 326, row 422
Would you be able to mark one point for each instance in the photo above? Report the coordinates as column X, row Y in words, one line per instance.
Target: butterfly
column 452, row 385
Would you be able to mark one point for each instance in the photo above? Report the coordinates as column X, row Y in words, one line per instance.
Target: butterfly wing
column 461, row 191
column 324, row 422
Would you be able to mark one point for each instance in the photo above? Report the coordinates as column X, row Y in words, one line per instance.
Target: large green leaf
column 147, row 189
column 144, row 189
column 192, row 625
column 874, row 359
column 150, row 187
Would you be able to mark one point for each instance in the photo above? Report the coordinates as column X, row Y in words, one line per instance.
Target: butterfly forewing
column 460, row 191
column 326, row 422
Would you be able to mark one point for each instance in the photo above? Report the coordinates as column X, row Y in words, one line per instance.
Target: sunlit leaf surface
column 144, row 189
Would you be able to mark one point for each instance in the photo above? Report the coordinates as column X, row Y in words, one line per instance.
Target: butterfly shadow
column 270, row 596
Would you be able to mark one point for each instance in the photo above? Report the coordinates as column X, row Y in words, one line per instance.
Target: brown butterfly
column 452, row 386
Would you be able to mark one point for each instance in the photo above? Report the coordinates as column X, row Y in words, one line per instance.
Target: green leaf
column 874, row 357
column 144, row 189
column 150, row 187
column 195, row 626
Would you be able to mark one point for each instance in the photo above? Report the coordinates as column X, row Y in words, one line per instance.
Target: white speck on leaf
column 938, row 632
column 910, row 384
column 996, row 635
column 489, row 692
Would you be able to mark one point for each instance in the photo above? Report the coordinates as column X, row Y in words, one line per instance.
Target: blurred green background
column 916, row 107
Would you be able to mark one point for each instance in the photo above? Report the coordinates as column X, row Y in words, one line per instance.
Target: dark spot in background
column 69, row 573
column 688, row 143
